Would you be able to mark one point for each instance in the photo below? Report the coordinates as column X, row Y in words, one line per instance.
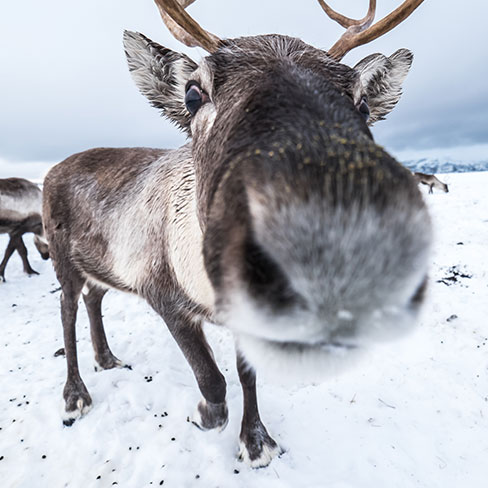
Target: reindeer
column 431, row 181
column 280, row 218
column 20, row 212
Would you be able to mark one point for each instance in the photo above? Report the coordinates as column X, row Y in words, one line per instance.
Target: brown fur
column 280, row 177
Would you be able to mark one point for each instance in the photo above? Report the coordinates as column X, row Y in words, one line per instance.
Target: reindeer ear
column 382, row 79
column 161, row 76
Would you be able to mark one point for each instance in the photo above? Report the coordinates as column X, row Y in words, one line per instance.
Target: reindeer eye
column 364, row 108
column 195, row 97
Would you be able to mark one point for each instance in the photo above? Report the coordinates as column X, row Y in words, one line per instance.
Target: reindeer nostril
column 266, row 279
column 419, row 294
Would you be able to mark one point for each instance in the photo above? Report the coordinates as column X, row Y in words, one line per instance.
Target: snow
column 412, row 413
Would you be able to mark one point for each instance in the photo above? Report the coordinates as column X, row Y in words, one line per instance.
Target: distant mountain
column 439, row 165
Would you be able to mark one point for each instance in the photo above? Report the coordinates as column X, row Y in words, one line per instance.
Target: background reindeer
column 281, row 218
column 431, row 181
column 20, row 212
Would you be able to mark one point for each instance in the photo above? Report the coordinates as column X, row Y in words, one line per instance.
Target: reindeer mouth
column 294, row 362
column 298, row 348
column 304, row 347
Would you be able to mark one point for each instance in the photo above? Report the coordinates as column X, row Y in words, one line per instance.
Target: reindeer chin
column 289, row 362
column 294, row 363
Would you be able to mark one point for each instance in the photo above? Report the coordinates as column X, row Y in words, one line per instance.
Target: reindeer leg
column 76, row 396
column 257, row 446
column 22, row 250
column 212, row 410
column 11, row 246
column 103, row 355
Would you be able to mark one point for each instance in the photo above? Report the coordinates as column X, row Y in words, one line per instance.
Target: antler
column 346, row 21
column 361, row 31
column 183, row 27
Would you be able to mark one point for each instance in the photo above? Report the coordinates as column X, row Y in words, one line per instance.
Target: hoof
column 109, row 362
column 211, row 416
column 82, row 407
column 77, row 401
column 31, row 272
column 257, row 448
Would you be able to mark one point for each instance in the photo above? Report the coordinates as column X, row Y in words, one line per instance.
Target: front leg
column 212, row 410
column 76, row 396
column 257, row 446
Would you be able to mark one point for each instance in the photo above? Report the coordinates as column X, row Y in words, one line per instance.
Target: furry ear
column 161, row 76
column 381, row 78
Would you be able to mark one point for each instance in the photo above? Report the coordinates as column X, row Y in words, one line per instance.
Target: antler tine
column 183, row 27
column 354, row 37
column 348, row 22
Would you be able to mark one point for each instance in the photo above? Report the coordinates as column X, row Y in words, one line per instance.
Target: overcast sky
column 65, row 86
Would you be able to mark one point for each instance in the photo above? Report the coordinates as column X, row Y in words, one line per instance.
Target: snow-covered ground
column 413, row 413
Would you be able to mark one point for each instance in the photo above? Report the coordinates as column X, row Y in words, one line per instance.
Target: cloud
column 33, row 170
column 65, row 86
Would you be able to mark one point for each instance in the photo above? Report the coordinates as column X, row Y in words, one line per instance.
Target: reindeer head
column 40, row 241
column 315, row 239
column 41, row 245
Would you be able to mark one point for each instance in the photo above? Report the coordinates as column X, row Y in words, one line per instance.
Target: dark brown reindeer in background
column 20, row 212
column 281, row 218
